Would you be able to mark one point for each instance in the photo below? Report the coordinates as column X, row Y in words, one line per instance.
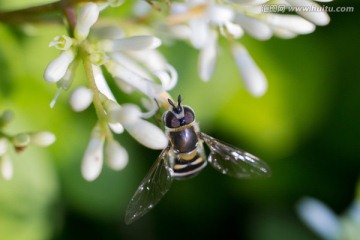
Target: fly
column 185, row 157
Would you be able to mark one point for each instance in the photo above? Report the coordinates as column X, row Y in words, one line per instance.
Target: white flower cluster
column 135, row 65
column 19, row 142
column 202, row 21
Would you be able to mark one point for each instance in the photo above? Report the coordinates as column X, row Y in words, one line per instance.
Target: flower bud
column 147, row 134
column 21, row 140
column 6, row 117
column 80, row 99
column 42, row 139
column 87, row 17
column 116, row 155
column 57, row 68
column 6, row 167
column 93, row 158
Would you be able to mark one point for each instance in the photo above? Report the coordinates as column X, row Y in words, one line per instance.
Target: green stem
column 96, row 93
column 34, row 14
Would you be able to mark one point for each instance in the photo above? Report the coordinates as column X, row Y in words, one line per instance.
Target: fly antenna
column 171, row 103
column 179, row 101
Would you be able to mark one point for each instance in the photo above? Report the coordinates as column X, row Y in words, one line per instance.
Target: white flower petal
column 146, row 86
column 80, row 99
column 87, row 17
column 147, row 134
column 199, row 32
column 219, row 14
column 141, row 9
column 207, row 58
column 151, row 105
column 101, row 83
column 234, row 29
column 254, row 27
column 116, row 127
column 319, row 218
column 353, row 212
column 136, row 43
column 182, row 32
column 93, row 158
column 178, row 8
column 129, row 115
column 108, row 32
column 320, row 18
column 131, row 62
column 168, row 78
column 57, row 68
column 116, row 155
column 292, row 23
column 42, row 139
column 3, row 146
column 253, row 77
column 6, row 167
column 284, row 33
column 125, row 114
column 152, row 59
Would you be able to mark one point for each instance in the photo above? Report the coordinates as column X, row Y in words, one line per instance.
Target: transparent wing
column 153, row 187
column 234, row 161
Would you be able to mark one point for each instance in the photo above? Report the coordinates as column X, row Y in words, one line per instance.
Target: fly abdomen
column 187, row 165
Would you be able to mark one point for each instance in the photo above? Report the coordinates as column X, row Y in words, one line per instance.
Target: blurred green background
column 306, row 128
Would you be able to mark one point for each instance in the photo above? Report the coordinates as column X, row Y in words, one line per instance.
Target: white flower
column 130, row 116
column 93, row 158
column 81, row 98
column 205, row 18
column 116, row 155
column 87, row 17
column 42, row 139
column 319, row 217
column 57, row 68
column 254, row 79
column 62, row 42
column 6, row 166
column 136, row 69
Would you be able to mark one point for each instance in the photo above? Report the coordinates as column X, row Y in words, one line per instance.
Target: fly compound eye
column 170, row 120
column 189, row 115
